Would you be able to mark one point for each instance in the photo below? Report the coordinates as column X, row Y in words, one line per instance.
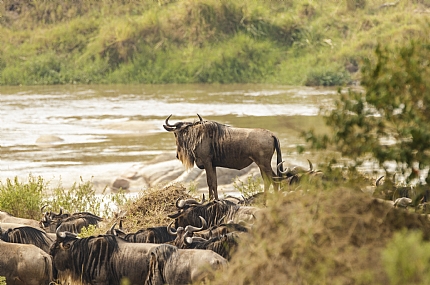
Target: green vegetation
column 389, row 121
column 291, row 42
column 26, row 199
column 22, row 199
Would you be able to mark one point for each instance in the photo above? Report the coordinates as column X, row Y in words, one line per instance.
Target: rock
column 48, row 139
column 120, row 183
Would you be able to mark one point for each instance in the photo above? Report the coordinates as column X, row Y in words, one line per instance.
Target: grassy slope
column 286, row 42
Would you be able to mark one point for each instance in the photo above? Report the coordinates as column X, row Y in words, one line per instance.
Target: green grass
column 186, row 41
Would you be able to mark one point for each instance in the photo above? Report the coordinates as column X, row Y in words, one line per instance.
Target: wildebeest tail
column 278, row 157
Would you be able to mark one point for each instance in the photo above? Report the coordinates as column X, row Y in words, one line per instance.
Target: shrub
column 22, row 199
column 406, row 259
column 323, row 77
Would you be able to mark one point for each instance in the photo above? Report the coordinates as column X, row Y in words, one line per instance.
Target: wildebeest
column 27, row 235
column 170, row 265
column 209, row 145
column 103, row 259
column 221, row 239
column 74, row 223
column 224, row 245
column 146, row 235
column 204, row 232
column 8, row 218
column 25, row 264
column 214, row 212
column 296, row 173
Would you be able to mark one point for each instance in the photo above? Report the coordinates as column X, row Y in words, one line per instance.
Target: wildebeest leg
column 212, row 181
column 267, row 174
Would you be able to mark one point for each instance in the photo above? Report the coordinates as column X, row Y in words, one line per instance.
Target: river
column 96, row 132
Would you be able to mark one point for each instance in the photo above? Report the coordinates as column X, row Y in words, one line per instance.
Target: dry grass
column 321, row 237
column 307, row 236
column 151, row 208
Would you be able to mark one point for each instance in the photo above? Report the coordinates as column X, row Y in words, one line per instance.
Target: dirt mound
column 321, row 237
column 152, row 207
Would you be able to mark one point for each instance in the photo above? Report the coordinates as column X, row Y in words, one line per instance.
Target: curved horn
column 112, row 229
column 311, row 167
column 178, row 204
column 169, row 229
column 190, row 240
column 174, row 216
column 167, row 122
column 379, row 180
column 61, row 211
column 63, row 235
column 201, row 120
column 192, row 229
column 286, row 171
column 41, row 209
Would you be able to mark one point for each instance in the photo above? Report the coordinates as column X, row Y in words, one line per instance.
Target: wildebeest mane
column 192, row 135
column 93, row 255
column 27, row 235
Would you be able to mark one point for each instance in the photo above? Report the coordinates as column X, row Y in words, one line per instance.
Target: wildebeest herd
column 200, row 240
column 202, row 235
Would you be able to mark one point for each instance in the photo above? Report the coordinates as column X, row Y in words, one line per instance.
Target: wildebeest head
column 186, row 139
column 69, row 252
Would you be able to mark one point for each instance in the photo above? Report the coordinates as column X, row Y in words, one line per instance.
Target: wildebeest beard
column 193, row 135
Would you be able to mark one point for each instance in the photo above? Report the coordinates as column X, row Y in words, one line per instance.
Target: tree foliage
column 388, row 121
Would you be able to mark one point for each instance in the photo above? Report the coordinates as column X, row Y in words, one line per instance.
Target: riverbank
column 205, row 41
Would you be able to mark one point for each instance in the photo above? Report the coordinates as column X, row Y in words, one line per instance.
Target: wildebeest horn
column 169, row 229
column 112, row 229
column 192, row 229
column 201, row 120
column 279, row 168
column 41, row 209
column 61, row 211
column 168, row 127
column 63, row 235
column 167, row 122
column 190, row 240
column 180, row 204
column 311, row 167
column 379, row 180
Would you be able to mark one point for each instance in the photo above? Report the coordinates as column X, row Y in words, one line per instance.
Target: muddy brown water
column 96, row 132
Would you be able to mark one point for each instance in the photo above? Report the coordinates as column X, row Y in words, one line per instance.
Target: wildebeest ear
column 174, row 216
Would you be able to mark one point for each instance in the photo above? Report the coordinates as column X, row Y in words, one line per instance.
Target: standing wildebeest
column 25, row 264
column 170, row 265
column 100, row 260
column 210, row 145
column 27, row 235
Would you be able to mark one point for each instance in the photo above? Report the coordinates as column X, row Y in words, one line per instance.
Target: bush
column 22, row 199
column 325, row 77
column 406, row 259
